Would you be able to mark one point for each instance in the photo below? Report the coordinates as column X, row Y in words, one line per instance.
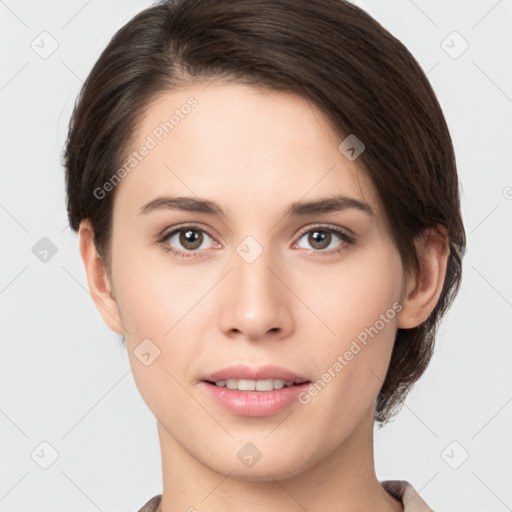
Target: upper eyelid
column 328, row 227
column 176, row 229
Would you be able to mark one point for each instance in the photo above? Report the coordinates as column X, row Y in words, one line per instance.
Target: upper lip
column 254, row 373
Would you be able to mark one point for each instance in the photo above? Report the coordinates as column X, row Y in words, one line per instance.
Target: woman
column 267, row 202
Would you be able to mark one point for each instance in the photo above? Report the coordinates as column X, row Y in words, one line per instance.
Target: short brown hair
column 330, row 52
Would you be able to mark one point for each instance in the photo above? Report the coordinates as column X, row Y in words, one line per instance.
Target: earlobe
column 97, row 278
column 423, row 290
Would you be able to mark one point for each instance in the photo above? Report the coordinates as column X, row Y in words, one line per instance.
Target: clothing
column 403, row 491
column 399, row 489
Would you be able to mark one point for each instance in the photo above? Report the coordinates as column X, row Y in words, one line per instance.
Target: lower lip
column 255, row 403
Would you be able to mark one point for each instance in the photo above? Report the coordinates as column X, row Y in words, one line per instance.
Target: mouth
column 256, row 385
column 254, row 391
column 248, row 378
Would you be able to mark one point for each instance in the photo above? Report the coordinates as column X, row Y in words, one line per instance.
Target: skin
column 254, row 152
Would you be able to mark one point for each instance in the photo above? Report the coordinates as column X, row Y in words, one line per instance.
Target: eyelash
column 346, row 239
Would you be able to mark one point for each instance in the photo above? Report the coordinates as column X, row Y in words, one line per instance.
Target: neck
column 344, row 480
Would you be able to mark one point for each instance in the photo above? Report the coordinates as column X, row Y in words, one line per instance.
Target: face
column 269, row 282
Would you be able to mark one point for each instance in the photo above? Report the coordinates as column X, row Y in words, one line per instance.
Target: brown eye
column 186, row 239
column 190, row 239
column 323, row 239
column 319, row 239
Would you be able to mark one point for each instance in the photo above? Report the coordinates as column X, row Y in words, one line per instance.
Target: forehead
column 246, row 146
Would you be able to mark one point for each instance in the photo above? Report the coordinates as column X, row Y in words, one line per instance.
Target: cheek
column 359, row 305
column 159, row 305
column 152, row 295
column 354, row 296
column 156, row 308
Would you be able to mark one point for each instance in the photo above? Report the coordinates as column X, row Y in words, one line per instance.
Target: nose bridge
column 255, row 283
column 255, row 302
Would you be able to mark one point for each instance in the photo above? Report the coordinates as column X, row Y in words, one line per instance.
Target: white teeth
column 278, row 383
column 245, row 385
column 254, row 385
column 232, row 384
column 268, row 384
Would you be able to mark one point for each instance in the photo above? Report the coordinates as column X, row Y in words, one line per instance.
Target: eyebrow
column 299, row 208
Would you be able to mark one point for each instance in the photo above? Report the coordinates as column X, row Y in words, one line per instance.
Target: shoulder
column 407, row 494
column 152, row 504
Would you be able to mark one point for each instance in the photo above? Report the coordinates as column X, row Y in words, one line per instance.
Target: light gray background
column 66, row 381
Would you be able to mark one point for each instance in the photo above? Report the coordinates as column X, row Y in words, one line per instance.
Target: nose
column 255, row 302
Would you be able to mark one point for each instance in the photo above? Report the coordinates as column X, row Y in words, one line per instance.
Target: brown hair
column 331, row 53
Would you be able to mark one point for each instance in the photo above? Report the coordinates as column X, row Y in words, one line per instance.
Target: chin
column 271, row 469
column 263, row 474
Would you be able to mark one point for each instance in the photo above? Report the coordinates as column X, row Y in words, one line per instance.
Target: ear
column 97, row 278
column 422, row 291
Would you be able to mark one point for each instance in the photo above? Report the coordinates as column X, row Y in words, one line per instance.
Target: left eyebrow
column 323, row 205
column 327, row 205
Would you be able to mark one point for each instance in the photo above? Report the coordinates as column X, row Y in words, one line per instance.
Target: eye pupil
column 320, row 237
column 190, row 236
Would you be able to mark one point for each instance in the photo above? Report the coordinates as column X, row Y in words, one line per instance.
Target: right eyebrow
column 186, row 204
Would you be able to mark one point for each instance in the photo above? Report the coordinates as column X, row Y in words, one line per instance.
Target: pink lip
column 254, row 403
column 254, row 373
